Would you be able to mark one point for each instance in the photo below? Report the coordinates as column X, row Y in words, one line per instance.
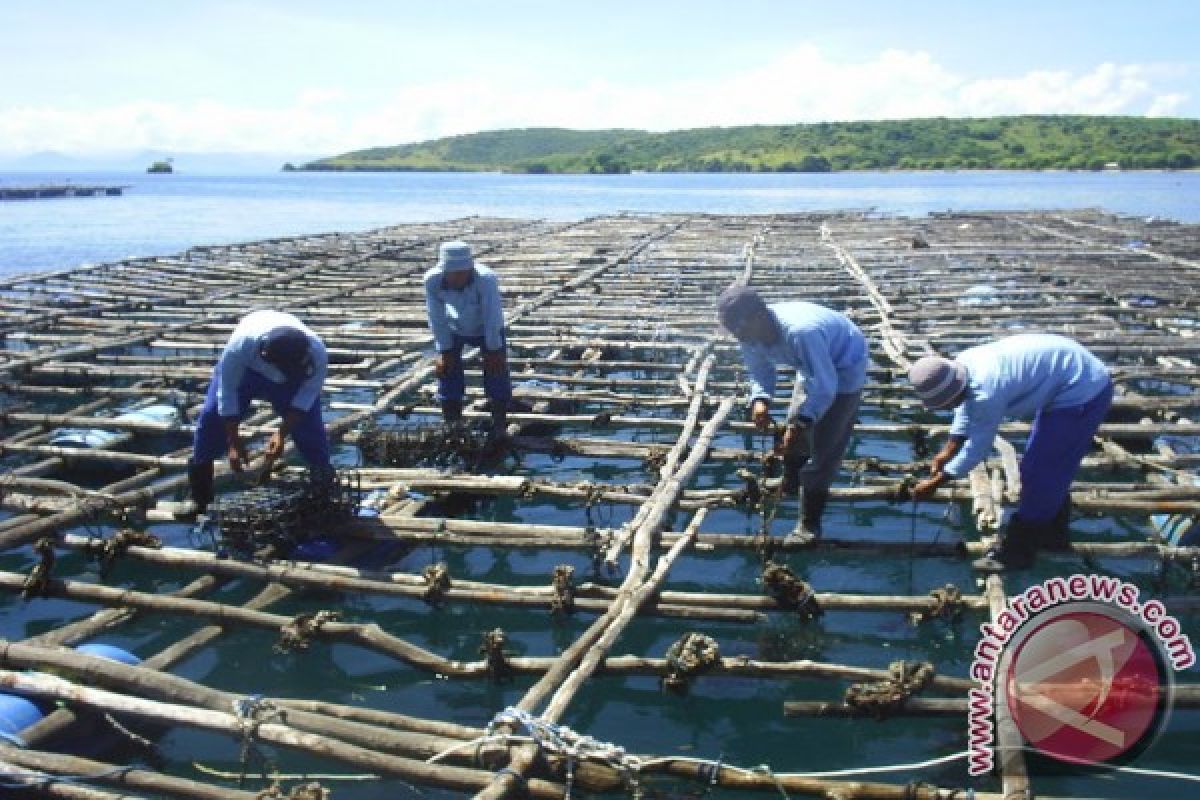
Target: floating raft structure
column 479, row 622
column 58, row 190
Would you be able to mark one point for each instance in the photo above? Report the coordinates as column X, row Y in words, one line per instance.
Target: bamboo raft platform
column 59, row 190
column 633, row 468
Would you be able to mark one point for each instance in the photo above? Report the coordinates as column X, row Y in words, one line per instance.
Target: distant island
column 161, row 167
column 1019, row 143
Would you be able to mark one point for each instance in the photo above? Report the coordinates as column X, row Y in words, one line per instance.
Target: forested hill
column 1026, row 142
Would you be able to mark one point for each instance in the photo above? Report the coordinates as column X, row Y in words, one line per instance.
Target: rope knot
column 37, row 584
column 884, row 698
column 495, row 655
column 789, row 591
column 107, row 551
column 947, row 602
column 691, row 656
column 437, row 580
column 298, row 634
column 563, row 582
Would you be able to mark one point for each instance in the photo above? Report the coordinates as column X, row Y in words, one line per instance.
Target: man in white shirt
column 462, row 298
column 1056, row 381
column 272, row 356
column 829, row 354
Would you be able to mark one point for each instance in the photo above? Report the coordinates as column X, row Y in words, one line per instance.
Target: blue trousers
column 453, row 384
column 210, row 442
column 1058, row 441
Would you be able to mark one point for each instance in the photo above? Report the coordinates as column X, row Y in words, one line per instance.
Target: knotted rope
column 691, row 656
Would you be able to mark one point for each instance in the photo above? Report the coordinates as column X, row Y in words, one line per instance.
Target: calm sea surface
column 163, row 214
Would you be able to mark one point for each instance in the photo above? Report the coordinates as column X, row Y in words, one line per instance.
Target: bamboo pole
column 134, row 778
column 277, row 733
column 1010, row 757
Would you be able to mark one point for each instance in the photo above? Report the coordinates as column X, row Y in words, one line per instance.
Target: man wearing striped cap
column 1056, row 381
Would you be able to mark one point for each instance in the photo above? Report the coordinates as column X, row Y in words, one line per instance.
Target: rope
column 558, row 739
column 437, row 578
column 765, row 769
column 885, row 697
column 570, row 745
column 563, row 583
column 298, row 634
column 306, row 791
column 947, row 602
column 37, row 584
column 252, row 711
column 492, row 649
column 790, row 592
column 107, row 551
column 141, row 741
column 691, row 656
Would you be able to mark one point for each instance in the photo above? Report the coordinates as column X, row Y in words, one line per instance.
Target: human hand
column 275, row 445
column 237, row 456
column 925, row 489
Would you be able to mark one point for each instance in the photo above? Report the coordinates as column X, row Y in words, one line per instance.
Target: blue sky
column 312, row 76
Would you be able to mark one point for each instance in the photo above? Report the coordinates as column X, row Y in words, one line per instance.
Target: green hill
column 1025, row 142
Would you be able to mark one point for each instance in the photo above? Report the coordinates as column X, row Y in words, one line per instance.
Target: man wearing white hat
column 462, row 297
column 1056, row 381
column 829, row 354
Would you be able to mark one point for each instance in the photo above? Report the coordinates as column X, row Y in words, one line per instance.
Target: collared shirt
column 827, row 350
column 474, row 310
column 243, row 352
column 1019, row 376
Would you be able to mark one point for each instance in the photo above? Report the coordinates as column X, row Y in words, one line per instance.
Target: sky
column 88, row 77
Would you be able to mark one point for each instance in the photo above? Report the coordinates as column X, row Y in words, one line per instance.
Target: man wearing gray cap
column 1053, row 379
column 462, row 298
column 829, row 354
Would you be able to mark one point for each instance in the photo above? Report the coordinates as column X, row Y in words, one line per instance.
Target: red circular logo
column 1086, row 687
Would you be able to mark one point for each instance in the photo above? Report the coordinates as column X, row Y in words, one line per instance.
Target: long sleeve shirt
column 243, row 352
column 1019, row 376
column 827, row 350
column 474, row 310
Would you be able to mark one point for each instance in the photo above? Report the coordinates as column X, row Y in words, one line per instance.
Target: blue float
column 16, row 714
column 111, row 652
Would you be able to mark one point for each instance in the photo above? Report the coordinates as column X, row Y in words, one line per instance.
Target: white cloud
column 800, row 86
column 1167, row 105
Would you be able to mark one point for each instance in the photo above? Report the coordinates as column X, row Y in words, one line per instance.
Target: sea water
column 164, row 214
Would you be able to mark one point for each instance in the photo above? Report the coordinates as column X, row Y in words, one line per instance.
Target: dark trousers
column 452, row 385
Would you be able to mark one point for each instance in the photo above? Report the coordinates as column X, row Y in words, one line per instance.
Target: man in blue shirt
column 1056, row 381
column 270, row 356
column 829, row 354
column 462, row 297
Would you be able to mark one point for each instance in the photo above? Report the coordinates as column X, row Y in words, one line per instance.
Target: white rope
column 1158, row 773
column 561, row 739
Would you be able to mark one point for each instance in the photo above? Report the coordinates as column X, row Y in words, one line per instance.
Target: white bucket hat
column 455, row 257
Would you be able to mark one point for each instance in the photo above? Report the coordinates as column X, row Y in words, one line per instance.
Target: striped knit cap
column 937, row 380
